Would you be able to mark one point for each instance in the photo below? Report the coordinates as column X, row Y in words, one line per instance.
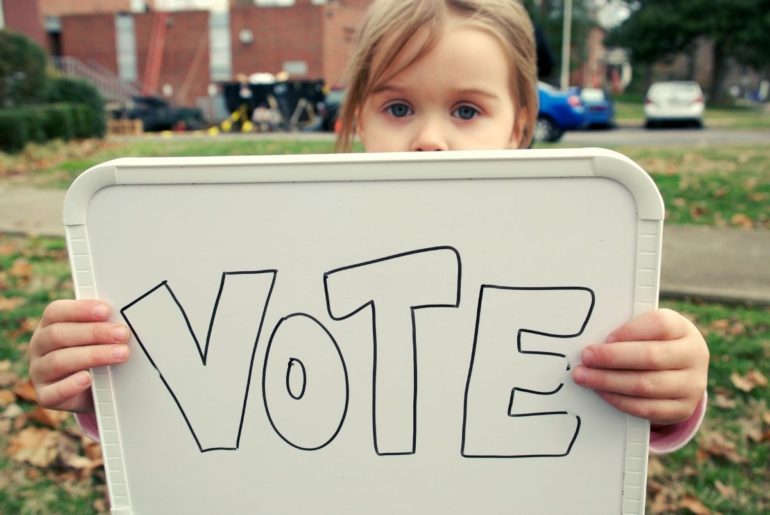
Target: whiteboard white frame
column 590, row 162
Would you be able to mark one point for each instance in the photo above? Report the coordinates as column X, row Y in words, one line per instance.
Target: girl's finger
column 639, row 355
column 657, row 411
column 660, row 324
column 74, row 334
column 649, row 385
column 75, row 311
column 67, row 394
column 62, row 363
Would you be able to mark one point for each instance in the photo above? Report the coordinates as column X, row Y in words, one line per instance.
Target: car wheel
column 546, row 130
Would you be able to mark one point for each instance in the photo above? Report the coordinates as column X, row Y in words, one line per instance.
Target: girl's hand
column 654, row 367
column 73, row 336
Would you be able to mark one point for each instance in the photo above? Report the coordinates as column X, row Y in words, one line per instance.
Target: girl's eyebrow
column 462, row 91
column 389, row 88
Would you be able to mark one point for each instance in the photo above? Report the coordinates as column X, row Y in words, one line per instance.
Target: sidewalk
column 729, row 265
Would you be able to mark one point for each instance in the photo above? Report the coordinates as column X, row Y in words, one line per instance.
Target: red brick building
column 23, row 16
column 186, row 52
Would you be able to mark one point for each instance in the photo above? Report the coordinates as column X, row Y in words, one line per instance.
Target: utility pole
column 566, row 44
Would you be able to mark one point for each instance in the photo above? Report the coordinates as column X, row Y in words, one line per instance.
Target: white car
column 678, row 102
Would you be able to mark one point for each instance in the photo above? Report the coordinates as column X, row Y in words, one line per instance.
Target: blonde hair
column 390, row 24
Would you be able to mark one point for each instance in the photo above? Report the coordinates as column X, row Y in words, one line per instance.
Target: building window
column 126, row 46
column 221, row 66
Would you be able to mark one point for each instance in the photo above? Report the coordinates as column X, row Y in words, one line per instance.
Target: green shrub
column 73, row 91
column 22, row 70
column 37, row 124
column 13, row 130
column 58, row 122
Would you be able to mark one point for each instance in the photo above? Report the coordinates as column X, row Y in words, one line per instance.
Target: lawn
column 47, row 467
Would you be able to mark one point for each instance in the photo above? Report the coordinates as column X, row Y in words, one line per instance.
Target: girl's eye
column 466, row 112
column 399, row 110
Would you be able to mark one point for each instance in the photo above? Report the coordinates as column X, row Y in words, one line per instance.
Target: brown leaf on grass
column 655, row 468
column 741, row 220
column 766, row 417
column 694, row 505
column 721, row 400
column 25, row 390
column 47, row 417
column 758, row 196
column 11, row 303
column 91, row 449
column 26, row 326
column 35, row 445
column 21, row 269
column 7, row 378
column 751, row 380
column 8, row 249
column 7, row 397
column 697, row 212
column 714, row 444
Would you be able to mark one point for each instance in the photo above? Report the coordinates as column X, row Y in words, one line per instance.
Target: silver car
column 679, row 102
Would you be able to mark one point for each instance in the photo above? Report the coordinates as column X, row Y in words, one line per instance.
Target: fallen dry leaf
column 741, row 220
column 694, row 505
column 35, row 445
column 8, row 249
column 12, row 411
column 7, row 378
column 7, row 397
column 714, row 444
column 766, row 417
column 21, row 269
column 723, row 401
column 25, row 390
column 751, row 380
column 11, row 303
column 26, row 326
column 50, row 418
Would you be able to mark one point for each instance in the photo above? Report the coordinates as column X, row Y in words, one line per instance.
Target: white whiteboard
column 367, row 333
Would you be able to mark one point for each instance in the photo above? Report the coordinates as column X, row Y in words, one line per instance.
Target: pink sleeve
column 664, row 439
column 87, row 423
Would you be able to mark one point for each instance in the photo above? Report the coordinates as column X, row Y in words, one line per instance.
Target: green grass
column 721, row 185
column 49, row 169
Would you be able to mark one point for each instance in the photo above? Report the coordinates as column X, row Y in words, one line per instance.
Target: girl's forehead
column 418, row 44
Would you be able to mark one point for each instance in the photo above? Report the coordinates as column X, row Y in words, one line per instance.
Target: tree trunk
column 718, row 73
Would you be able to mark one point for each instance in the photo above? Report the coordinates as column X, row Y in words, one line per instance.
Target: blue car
column 558, row 112
column 599, row 108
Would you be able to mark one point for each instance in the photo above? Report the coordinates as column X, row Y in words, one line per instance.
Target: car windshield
column 592, row 95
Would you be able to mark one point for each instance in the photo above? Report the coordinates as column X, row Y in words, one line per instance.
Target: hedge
column 36, row 124
column 74, row 91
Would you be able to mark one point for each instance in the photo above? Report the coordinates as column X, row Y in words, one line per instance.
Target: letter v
column 210, row 388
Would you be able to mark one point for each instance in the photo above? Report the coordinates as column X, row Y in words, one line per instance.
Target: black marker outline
column 203, row 353
column 519, row 349
column 264, row 375
column 291, row 363
column 371, row 304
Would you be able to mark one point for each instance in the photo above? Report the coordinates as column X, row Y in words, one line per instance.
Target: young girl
column 432, row 75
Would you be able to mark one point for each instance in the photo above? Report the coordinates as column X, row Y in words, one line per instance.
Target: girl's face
column 456, row 97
